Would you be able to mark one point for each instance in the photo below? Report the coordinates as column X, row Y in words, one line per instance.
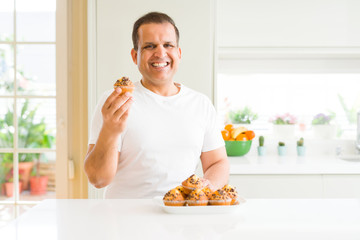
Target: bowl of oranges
column 237, row 139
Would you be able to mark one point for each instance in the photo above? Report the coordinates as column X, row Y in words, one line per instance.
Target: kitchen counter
column 292, row 165
column 143, row 219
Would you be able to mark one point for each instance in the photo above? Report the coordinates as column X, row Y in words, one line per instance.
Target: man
column 147, row 143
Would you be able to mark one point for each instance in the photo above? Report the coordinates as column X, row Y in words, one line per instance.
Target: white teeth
column 159, row 64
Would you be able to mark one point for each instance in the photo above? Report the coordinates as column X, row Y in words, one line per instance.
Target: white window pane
column 6, row 123
column 6, row 69
column 37, row 123
column 36, row 69
column 35, row 20
column 7, row 20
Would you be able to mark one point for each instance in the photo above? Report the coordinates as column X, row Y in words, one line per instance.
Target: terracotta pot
column 25, row 170
column 9, row 188
column 38, row 185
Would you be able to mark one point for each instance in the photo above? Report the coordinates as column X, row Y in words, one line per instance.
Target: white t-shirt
column 162, row 142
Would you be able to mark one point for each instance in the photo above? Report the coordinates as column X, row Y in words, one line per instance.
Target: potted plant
column 322, row 125
column 242, row 116
column 31, row 134
column 261, row 148
column 300, row 148
column 9, row 186
column 38, row 182
column 281, row 149
column 284, row 125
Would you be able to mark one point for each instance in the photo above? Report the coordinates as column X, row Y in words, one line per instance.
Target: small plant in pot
column 242, row 116
column 38, row 183
column 300, row 148
column 261, row 148
column 281, row 149
column 9, row 186
column 323, row 126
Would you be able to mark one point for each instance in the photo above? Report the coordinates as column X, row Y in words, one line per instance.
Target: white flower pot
column 284, row 131
column 324, row 131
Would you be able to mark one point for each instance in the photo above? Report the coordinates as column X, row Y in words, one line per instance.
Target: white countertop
column 143, row 219
column 292, row 165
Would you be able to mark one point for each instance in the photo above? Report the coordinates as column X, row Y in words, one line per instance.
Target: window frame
column 61, row 55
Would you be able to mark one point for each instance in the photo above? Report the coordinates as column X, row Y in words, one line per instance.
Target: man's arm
column 216, row 167
column 102, row 158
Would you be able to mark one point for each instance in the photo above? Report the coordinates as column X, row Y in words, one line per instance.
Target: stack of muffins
column 194, row 192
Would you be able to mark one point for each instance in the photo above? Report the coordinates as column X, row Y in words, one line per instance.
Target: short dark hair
column 152, row 17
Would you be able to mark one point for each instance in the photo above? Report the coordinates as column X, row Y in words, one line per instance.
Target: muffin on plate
column 232, row 193
column 174, row 198
column 191, row 183
column 207, row 191
column 182, row 190
column 220, row 197
column 125, row 84
column 197, row 198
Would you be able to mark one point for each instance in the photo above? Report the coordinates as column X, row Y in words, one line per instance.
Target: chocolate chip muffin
column 197, row 198
column 182, row 190
column 125, row 84
column 191, row 183
column 174, row 198
column 220, row 197
column 207, row 191
column 232, row 193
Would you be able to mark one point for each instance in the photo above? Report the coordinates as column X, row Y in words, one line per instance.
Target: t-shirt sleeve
column 97, row 121
column 212, row 138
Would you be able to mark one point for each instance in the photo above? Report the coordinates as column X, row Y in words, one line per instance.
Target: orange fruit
column 229, row 127
column 241, row 137
column 225, row 134
column 250, row 134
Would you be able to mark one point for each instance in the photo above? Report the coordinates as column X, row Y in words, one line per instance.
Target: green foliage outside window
column 245, row 115
column 31, row 134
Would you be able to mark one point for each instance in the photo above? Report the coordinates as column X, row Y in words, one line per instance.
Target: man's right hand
column 115, row 112
column 102, row 158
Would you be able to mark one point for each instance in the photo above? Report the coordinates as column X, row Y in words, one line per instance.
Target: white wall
column 114, row 22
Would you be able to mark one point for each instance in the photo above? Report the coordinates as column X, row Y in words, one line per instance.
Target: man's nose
column 160, row 52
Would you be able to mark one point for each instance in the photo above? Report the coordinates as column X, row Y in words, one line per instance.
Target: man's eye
column 149, row 47
column 168, row 45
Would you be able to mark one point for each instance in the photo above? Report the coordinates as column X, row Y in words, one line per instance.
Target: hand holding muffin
column 116, row 109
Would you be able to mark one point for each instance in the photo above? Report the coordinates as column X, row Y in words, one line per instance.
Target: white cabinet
column 341, row 186
column 292, row 23
column 297, row 186
column 278, row 186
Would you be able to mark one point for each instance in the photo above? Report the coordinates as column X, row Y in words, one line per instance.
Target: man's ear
column 179, row 53
column 134, row 55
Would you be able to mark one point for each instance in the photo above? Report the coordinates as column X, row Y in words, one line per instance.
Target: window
column 303, row 88
column 290, row 58
column 27, row 100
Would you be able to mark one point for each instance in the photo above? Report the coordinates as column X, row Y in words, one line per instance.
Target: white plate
column 197, row 209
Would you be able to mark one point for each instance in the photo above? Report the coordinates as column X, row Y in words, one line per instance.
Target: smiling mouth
column 160, row 64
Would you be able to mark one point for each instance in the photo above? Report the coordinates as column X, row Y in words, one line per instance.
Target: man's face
column 158, row 54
